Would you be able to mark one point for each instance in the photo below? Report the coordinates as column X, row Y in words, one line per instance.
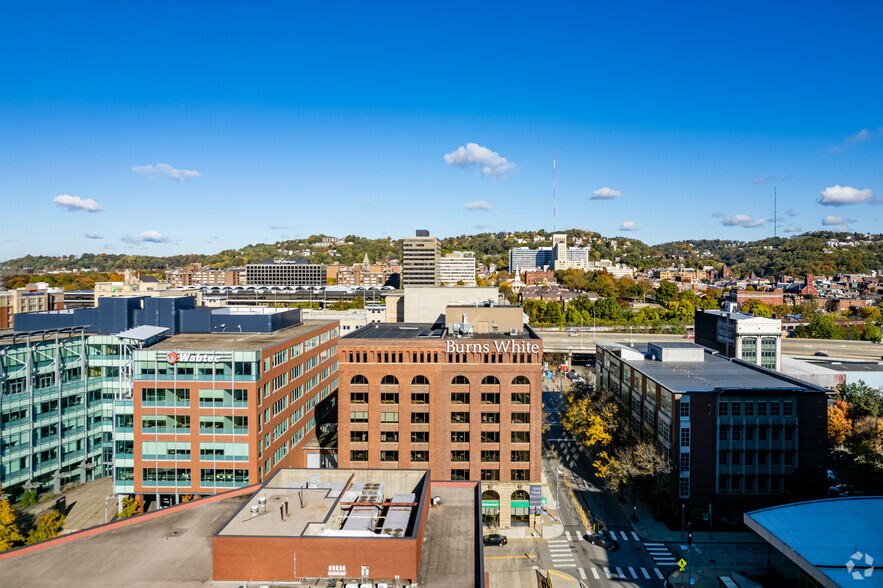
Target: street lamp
column 111, row 497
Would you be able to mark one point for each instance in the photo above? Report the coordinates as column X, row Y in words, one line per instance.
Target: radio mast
column 553, row 191
column 775, row 214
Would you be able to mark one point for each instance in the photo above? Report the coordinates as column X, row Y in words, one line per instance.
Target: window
column 460, row 381
column 520, row 381
column 736, row 409
column 419, row 436
column 359, row 436
column 459, row 417
column 460, row 455
column 358, row 417
column 359, row 455
column 519, row 475
column 490, row 381
column 490, row 436
column 490, row 455
column 749, row 409
column 389, row 381
column 389, row 417
column 419, row 418
column 420, row 381
column 749, row 433
column 520, row 455
column 737, row 458
column 389, row 398
column 520, row 418
column 685, row 462
column 419, row 456
column 723, row 409
column 490, row 398
column 789, row 458
column 521, row 398
column 490, row 475
column 459, row 397
column 724, row 433
column 459, row 474
column 520, row 436
column 419, row 398
column 459, row 436
column 788, row 408
column 685, row 437
column 684, row 487
column 389, row 455
column 358, row 398
column 389, row 436
column 490, row 418
column 789, row 433
column 761, row 408
column 737, row 433
column 774, row 408
column 776, row 434
column 684, row 408
column 762, row 433
column 722, row 458
column 358, row 379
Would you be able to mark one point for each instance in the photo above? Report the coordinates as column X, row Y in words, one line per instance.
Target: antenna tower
column 775, row 214
column 553, row 191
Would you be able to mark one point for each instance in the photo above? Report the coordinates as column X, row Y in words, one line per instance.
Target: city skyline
column 192, row 130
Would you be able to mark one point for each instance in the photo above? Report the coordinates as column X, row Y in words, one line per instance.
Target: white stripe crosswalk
column 660, row 554
column 619, row 574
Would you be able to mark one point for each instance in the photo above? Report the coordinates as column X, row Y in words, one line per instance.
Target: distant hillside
column 766, row 257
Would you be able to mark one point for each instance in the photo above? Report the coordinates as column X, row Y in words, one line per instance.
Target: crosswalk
column 660, row 554
column 562, row 556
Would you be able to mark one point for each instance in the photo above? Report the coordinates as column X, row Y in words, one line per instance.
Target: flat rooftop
column 849, row 366
column 317, row 503
column 712, row 373
column 235, row 341
column 430, row 331
column 824, row 536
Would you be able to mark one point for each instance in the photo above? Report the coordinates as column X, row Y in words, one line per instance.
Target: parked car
column 602, row 541
column 821, row 353
column 495, row 539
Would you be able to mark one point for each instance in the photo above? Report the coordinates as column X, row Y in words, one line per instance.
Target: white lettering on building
column 499, row 347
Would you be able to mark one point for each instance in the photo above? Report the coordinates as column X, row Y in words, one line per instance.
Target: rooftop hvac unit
column 513, row 332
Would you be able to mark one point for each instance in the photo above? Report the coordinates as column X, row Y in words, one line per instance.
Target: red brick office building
column 466, row 406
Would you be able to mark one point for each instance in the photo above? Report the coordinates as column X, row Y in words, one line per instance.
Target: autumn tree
column 130, row 508
column 590, row 421
column 9, row 533
column 868, row 435
column 839, row 422
column 48, row 526
column 863, row 399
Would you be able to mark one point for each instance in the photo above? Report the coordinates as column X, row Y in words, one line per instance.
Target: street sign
column 544, row 500
column 536, row 498
column 682, row 564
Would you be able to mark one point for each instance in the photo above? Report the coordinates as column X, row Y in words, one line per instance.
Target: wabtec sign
column 507, row 346
column 174, row 358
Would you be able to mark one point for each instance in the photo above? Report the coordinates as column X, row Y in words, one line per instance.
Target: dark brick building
column 740, row 437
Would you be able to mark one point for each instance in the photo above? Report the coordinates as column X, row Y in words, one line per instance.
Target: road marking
column 595, row 573
column 557, row 541
column 635, row 535
column 619, row 572
column 624, row 536
column 569, row 538
column 582, row 574
column 607, row 571
column 654, row 544
column 506, row 556
column 632, row 572
column 658, row 573
column 646, row 575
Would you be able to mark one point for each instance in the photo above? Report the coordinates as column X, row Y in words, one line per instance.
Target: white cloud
column 843, row 195
column 628, row 226
column 829, row 221
column 790, row 212
column 477, row 205
column 771, row 179
column 167, row 170
column 862, row 135
column 605, row 193
column 77, row 203
column 146, row 237
column 718, row 214
column 490, row 163
column 278, row 227
column 776, row 219
column 93, row 236
column 793, row 229
column 481, row 227
column 743, row 220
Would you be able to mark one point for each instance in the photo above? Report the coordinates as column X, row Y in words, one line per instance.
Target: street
column 635, row 563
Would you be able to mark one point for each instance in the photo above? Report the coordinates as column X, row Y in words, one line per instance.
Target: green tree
column 130, row 508
column 667, row 291
column 864, row 400
column 871, row 332
column 48, row 526
column 608, row 309
column 758, row 308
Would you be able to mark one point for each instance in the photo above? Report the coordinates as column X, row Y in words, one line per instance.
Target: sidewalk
column 550, row 527
column 653, row 530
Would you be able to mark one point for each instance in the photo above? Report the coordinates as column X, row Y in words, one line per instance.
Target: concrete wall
column 427, row 304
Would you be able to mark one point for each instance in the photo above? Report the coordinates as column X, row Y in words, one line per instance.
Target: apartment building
column 457, row 269
column 198, row 275
column 284, row 272
column 31, row 298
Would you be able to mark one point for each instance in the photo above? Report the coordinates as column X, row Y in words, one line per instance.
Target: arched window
column 490, row 380
column 520, row 380
column 389, row 380
column 490, row 495
column 420, row 381
column 520, row 495
column 458, row 380
column 359, row 379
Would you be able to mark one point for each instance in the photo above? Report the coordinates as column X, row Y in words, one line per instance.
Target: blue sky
column 281, row 120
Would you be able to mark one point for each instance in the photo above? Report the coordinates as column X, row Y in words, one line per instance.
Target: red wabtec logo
column 172, row 357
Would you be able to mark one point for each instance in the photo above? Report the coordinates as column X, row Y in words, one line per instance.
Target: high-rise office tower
column 420, row 260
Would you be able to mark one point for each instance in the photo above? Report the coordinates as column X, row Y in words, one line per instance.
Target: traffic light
column 689, row 533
